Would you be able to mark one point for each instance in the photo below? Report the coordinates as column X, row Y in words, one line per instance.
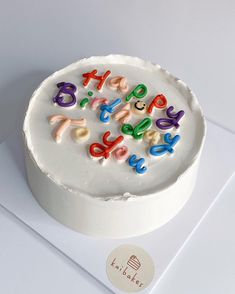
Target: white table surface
column 195, row 40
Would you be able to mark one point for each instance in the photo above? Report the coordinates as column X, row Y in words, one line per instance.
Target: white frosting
column 68, row 164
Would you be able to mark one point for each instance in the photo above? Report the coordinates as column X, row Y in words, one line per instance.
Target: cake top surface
column 143, row 127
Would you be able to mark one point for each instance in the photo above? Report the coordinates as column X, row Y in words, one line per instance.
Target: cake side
column 119, row 218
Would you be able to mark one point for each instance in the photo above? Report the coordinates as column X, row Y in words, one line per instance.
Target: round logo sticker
column 130, row 268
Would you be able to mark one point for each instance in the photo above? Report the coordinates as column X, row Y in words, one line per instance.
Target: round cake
column 112, row 145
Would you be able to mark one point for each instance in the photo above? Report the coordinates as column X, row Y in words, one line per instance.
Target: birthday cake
column 112, row 145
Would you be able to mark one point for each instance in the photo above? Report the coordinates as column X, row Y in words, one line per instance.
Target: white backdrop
column 195, row 40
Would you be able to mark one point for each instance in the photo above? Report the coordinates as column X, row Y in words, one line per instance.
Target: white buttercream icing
column 68, row 164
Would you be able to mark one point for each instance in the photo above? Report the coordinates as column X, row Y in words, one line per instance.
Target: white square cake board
column 164, row 244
